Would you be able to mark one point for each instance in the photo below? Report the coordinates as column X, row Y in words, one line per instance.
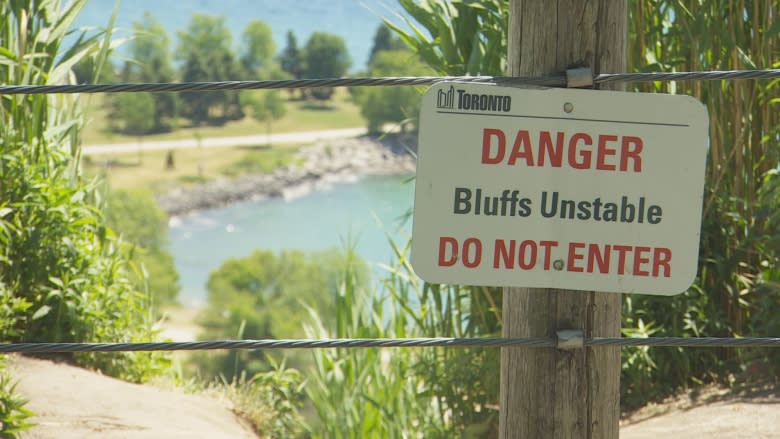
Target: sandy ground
column 70, row 402
column 222, row 142
column 746, row 412
column 179, row 323
column 75, row 403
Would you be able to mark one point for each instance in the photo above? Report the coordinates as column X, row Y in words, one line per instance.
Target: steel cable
column 383, row 343
column 549, row 81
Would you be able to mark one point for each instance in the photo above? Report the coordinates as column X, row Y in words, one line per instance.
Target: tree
column 228, row 68
column 206, row 37
column 204, row 47
column 150, row 62
column 137, row 112
column 325, row 56
column 269, row 109
column 272, row 70
column 384, row 40
column 258, row 47
column 150, row 48
column 196, row 105
column 84, row 72
column 290, row 59
column 380, row 105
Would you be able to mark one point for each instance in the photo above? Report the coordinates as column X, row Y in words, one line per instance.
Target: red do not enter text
column 572, row 257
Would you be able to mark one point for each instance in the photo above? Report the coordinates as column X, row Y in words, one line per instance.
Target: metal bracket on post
column 581, row 77
column 569, row 339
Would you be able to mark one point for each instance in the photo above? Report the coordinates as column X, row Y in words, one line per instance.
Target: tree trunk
column 546, row 392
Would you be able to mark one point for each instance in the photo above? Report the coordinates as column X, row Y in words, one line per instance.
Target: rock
column 331, row 161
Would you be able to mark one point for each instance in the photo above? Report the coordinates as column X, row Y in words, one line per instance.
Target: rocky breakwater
column 318, row 164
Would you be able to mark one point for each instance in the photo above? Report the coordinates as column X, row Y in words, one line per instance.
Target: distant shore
column 323, row 162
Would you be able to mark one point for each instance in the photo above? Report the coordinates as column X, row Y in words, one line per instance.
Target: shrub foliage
column 63, row 276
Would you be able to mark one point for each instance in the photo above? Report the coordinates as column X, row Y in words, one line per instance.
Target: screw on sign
column 557, row 188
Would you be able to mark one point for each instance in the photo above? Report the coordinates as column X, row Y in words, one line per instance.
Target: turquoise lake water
column 368, row 211
column 354, row 20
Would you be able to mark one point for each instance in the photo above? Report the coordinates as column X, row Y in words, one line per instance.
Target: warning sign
column 559, row 188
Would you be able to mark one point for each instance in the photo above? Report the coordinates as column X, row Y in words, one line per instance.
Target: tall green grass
column 457, row 37
column 361, row 393
column 63, row 273
column 737, row 285
column 431, row 393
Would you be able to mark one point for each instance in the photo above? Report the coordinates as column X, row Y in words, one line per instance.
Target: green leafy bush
column 271, row 400
column 62, row 273
column 401, row 105
column 136, row 218
column 263, row 296
column 13, row 413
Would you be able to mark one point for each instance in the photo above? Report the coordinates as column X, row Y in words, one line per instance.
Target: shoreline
column 323, row 163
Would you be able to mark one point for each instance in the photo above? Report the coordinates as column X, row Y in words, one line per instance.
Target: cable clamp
column 570, row 339
column 580, row 77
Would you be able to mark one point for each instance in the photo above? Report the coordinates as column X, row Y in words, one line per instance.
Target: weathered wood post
column 546, row 392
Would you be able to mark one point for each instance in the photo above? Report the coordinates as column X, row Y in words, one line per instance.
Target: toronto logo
column 445, row 99
column 451, row 98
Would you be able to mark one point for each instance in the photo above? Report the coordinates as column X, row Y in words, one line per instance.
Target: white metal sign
column 557, row 188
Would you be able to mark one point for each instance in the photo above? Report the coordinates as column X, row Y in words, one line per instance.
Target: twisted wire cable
column 716, row 75
column 772, row 342
column 551, row 81
column 548, row 81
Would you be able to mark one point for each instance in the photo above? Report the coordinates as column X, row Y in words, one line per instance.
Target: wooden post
column 546, row 392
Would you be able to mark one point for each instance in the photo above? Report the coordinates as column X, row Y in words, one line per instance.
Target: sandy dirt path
column 73, row 403
column 722, row 420
column 223, row 142
column 711, row 413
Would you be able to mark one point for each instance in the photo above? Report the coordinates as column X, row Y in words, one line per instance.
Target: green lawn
column 192, row 165
column 341, row 112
